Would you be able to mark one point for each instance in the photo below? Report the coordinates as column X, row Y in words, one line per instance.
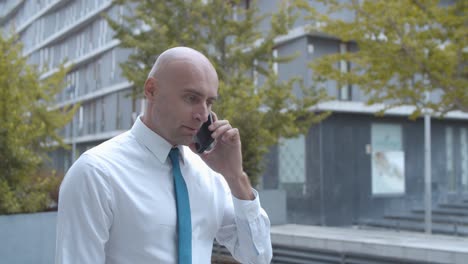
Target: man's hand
column 226, row 157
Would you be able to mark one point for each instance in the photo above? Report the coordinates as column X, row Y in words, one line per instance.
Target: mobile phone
column 203, row 139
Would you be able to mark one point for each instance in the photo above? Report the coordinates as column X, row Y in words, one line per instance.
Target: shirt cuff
column 247, row 209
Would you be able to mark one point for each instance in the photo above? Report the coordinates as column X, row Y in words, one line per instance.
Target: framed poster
column 388, row 173
column 388, row 160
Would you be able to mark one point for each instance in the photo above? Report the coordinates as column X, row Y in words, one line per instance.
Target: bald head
column 179, row 91
column 178, row 54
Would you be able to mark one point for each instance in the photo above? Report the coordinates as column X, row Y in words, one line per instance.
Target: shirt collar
column 153, row 141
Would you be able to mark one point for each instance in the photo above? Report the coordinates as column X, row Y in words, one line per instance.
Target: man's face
column 185, row 93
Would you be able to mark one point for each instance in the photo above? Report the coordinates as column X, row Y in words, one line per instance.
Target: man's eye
column 191, row 98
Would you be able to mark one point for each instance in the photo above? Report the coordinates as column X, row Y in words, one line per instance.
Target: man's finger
column 218, row 124
column 220, row 130
column 231, row 135
column 215, row 117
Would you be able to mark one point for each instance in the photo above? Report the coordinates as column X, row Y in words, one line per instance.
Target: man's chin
column 187, row 141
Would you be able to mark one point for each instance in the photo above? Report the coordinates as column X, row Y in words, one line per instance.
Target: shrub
column 30, row 194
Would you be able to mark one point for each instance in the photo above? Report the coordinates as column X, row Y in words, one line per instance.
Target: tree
column 28, row 129
column 227, row 33
column 407, row 48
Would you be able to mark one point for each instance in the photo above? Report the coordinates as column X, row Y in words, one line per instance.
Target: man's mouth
column 191, row 130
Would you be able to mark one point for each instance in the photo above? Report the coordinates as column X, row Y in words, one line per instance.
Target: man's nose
column 202, row 113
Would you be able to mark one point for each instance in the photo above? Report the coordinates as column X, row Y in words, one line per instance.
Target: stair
column 447, row 219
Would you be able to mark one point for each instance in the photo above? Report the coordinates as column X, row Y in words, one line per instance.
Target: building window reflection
column 291, row 164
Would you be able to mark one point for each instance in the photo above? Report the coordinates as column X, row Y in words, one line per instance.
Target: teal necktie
column 184, row 222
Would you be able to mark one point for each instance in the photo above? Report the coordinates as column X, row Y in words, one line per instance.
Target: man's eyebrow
column 188, row 90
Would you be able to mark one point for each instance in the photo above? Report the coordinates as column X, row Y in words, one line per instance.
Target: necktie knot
column 174, row 155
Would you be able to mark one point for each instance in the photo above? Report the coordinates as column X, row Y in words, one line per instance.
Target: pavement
column 383, row 243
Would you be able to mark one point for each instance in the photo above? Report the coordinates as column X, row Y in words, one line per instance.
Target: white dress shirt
column 117, row 206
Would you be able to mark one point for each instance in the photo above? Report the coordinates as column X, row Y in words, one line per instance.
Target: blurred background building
column 75, row 31
column 351, row 167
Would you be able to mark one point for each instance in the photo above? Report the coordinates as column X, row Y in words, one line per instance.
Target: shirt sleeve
column 245, row 230
column 84, row 214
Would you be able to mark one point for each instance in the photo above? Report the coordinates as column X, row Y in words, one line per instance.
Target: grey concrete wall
column 27, row 238
column 274, row 203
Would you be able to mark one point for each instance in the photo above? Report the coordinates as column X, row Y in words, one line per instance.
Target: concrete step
column 443, row 211
column 454, row 205
column 449, row 220
column 415, row 226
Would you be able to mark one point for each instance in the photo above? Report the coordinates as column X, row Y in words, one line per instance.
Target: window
column 66, row 161
column 142, row 104
column 80, row 122
column 112, row 73
column 451, row 180
column 41, row 58
column 121, row 14
column 344, row 90
column 310, row 48
column 234, row 13
column 78, row 46
column 83, row 44
column 118, row 110
column 51, row 61
column 464, row 158
column 255, row 72
column 291, row 164
column 70, row 90
column 41, row 30
column 66, row 49
column 77, row 83
column 57, row 21
column 90, row 39
column 104, row 32
column 93, row 118
column 275, row 64
column 46, row 57
column 97, row 74
column 102, row 122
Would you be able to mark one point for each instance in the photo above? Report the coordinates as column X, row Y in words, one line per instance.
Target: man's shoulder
column 111, row 145
column 109, row 150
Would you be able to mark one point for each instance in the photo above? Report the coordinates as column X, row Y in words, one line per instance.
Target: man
column 120, row 202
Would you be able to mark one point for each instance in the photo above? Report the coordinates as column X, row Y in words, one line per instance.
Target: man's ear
column 150, row 88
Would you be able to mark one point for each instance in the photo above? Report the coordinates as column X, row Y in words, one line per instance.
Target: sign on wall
column 388, row 172
column 388, row 160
